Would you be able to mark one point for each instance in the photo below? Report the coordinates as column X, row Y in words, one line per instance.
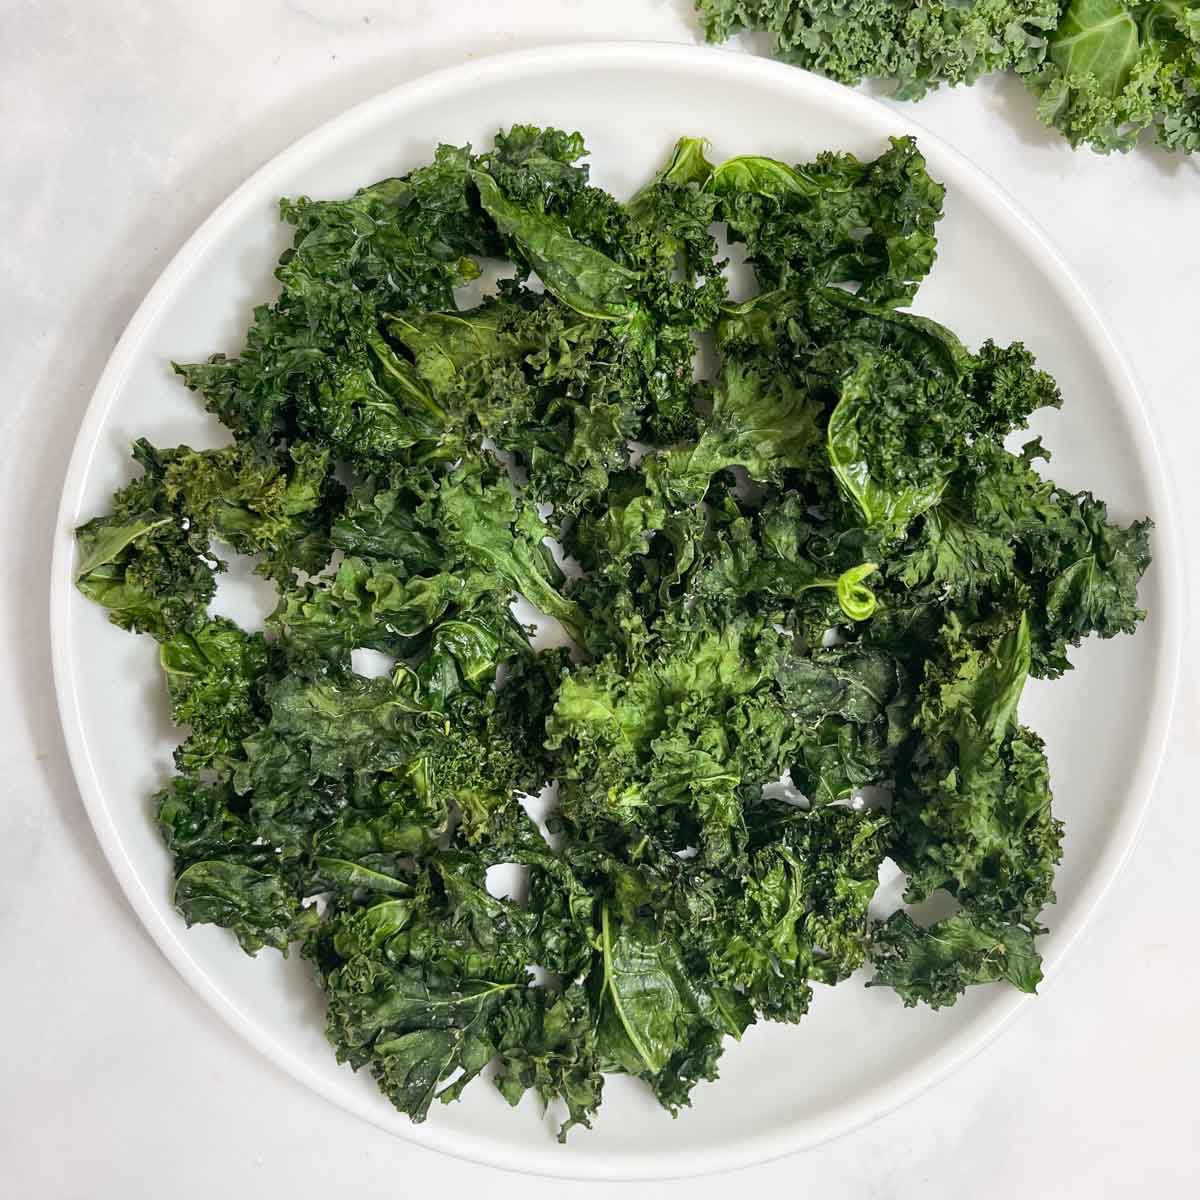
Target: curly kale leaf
column 482, row 524
column 420, row 1029
column 835, row 220
column 258, row 906
column 425, row 987
column 213, row 675
column 674, row 735
column 935, row 965
column 972, row 808
column 917, row 46
column 1113, row 70
column 1004, row 540
column 537, row 167
column 657, row 1019
column 144, row 561
column 1090, row 570
column 402, row 242
column 763, row 423
column 546, row 1043
column 373, row 605
column 911, row 401
column 581, row 277
column 801, row 912
column 310, row 362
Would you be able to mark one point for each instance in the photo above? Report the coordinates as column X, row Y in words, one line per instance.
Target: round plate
column 860, row 1052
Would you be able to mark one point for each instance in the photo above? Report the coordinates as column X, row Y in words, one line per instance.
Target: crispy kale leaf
column 144, row 561
column 835, row 220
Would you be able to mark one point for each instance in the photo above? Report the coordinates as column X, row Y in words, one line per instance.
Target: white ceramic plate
column 859, row 1053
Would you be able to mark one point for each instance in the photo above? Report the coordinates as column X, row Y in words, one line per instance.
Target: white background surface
column 122, row 124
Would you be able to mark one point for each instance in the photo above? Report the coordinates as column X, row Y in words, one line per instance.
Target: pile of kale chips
column 819, row 562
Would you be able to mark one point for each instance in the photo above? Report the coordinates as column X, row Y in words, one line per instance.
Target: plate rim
column 169, row 935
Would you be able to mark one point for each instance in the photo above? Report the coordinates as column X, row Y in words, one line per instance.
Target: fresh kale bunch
column 814, row 563
column 1102, row 70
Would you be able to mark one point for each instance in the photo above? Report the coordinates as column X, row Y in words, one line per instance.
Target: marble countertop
column 123, row 123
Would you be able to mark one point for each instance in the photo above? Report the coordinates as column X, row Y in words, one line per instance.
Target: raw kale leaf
column 1102, row 70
